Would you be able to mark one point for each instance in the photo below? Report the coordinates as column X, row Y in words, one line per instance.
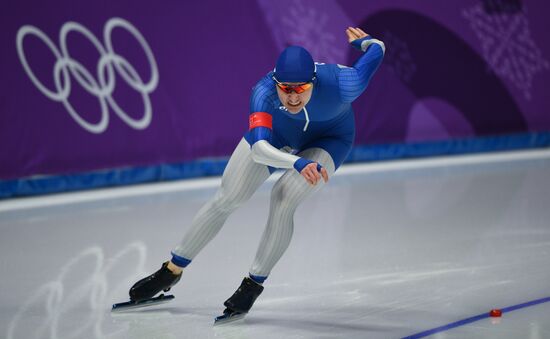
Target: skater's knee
column 278, row 192
column 283, row 193
column 226, row 201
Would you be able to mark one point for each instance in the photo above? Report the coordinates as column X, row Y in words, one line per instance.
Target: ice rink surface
column 386, row 250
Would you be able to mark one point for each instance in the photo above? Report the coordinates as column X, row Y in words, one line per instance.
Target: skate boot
column 240, row 302
column 161, row 280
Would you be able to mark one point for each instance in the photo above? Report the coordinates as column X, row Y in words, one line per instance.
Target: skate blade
column 132, row 305
column 228, row 318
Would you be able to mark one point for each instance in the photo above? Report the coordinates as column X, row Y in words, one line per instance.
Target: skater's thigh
column 242, row 173
column 293, row 187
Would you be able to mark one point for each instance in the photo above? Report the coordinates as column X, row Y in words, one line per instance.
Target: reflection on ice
column 91, row 293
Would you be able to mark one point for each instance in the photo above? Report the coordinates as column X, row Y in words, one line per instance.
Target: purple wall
column 453, row 69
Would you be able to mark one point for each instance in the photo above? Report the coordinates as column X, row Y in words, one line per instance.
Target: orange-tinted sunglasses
column 294, row 88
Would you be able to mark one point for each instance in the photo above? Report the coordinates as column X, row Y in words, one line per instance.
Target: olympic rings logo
column 103, row 86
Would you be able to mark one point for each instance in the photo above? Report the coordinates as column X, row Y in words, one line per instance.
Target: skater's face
column 294, row 95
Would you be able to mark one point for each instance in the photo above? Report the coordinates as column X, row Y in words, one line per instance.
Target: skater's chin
column 294, row 108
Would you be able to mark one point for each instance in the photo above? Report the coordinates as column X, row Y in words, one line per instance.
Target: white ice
column 386, row 250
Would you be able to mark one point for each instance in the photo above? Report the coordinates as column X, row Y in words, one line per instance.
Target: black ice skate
column 240, row 302
column 143, row 291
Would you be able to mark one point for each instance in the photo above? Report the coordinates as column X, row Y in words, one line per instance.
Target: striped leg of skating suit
column 241, row 178
column 287, row 193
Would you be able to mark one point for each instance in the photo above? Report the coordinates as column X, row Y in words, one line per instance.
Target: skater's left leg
column 287, row 194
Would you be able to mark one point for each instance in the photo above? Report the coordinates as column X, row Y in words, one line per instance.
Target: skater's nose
column 293, row 96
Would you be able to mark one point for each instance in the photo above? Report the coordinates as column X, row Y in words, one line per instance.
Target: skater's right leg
column 241, row 178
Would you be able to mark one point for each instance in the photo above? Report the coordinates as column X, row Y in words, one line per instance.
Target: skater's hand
column 355, row 33
column 312, row 174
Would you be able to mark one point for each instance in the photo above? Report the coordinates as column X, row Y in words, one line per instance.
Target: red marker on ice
column 495, row 313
